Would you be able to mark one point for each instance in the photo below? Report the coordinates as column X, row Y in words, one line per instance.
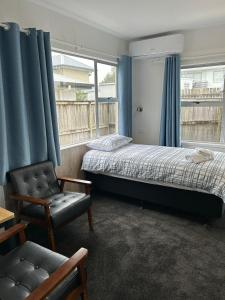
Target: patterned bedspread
column 163, row 165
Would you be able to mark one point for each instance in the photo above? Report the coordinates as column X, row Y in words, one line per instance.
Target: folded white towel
column 205, row 152
column 200, row 155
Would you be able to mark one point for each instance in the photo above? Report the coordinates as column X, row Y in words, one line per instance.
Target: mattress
column 160, row 165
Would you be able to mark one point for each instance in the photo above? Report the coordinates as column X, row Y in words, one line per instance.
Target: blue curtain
column 28, row 121
column 170, row 113
column 125, row 95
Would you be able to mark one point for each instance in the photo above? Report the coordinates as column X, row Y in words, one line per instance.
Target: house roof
column 69, row 61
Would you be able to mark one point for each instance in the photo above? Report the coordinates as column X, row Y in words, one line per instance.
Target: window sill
column 73, row 145
column 211, row 146
column 81, row 144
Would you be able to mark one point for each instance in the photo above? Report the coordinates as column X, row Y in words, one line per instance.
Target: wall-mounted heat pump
column 157, row 47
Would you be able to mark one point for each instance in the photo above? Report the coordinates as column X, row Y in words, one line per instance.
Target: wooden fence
column 77, row 120
column 202, row 122
column 202, row 93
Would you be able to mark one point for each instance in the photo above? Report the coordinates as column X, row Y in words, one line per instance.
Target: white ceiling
column 132, row 19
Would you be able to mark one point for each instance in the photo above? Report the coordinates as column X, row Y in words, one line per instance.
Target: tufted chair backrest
column 38, row 180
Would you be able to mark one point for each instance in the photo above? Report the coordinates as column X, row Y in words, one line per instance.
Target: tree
column 81, row 95
column 110, row 77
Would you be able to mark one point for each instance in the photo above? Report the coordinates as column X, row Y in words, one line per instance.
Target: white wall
column 147, row 92
column 200, row 46
column 204, row 45
column 65, row 29
column 28, row 14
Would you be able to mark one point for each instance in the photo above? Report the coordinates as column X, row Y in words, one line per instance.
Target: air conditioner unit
column 157, row 47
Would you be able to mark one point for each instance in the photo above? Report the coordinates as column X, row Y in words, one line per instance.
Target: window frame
column 211, row 145
column 97, row 99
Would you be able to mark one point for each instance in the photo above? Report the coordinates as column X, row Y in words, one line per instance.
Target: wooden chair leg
column 18, row 210
column 84, row 295
column 51, row 238
column 90, row 219
column 83, row 281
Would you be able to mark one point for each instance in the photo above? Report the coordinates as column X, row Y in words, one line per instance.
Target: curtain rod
column 78, row 47
column 6, row 26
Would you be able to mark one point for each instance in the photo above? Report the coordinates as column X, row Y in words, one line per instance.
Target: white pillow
column 109, row 142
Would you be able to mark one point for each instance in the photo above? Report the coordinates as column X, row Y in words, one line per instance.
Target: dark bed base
column 202, row 204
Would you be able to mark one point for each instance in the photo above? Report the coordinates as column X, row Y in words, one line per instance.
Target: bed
column 160, row 175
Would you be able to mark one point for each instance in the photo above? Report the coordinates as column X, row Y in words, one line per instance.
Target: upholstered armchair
column 33, row 272
column 41, row 199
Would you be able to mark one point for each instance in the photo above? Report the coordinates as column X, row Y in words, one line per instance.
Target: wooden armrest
column 77, row 260
column 16, row 229
column 86, row 183
column 73, row 180
column 30, row 199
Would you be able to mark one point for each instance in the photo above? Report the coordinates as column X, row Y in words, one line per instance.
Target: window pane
column 107, row 99
column 202, row 103
column 75, row 98
column 106, row 81
column 201, row 124
column 108, row 117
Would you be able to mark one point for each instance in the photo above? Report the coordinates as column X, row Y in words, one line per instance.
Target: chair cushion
column 38, row 180
column 26, row 267
column 63, row 208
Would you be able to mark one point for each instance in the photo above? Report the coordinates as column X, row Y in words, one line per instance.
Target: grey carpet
column 147, row 254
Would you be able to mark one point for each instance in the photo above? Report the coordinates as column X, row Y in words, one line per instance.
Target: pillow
column 109, row 142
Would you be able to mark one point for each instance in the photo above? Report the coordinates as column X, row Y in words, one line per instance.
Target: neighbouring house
column 72, row 78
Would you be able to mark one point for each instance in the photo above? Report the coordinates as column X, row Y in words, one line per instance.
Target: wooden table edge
column 5, row 215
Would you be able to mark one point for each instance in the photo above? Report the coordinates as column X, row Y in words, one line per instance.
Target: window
column 86, row 98
column 218, row 76
column 107, row 103
column 202, row 104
